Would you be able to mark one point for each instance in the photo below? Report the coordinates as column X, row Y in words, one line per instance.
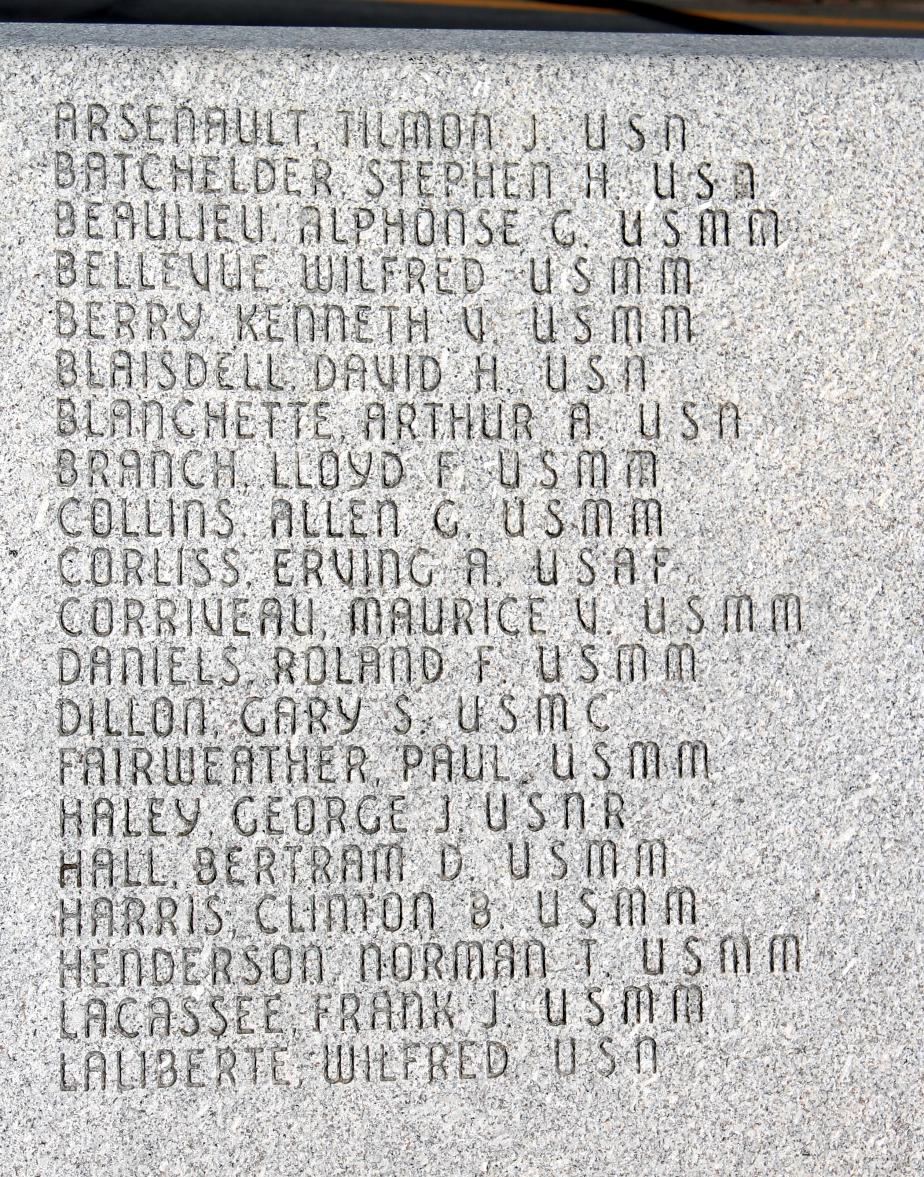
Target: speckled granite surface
column 461, row 612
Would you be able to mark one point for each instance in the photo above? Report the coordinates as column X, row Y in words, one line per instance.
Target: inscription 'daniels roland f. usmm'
column 378, row 614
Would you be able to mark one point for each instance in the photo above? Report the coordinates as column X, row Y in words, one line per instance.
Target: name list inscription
column 376, row 626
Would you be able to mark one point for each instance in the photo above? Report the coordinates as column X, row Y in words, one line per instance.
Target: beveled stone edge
column 371, row 40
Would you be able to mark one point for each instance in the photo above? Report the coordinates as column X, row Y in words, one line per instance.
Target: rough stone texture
column 808, row 821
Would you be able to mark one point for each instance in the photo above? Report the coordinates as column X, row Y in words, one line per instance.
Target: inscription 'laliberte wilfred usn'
column 462, row 625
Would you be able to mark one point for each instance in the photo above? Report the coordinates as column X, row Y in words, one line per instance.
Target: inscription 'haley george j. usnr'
column 461, row 605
